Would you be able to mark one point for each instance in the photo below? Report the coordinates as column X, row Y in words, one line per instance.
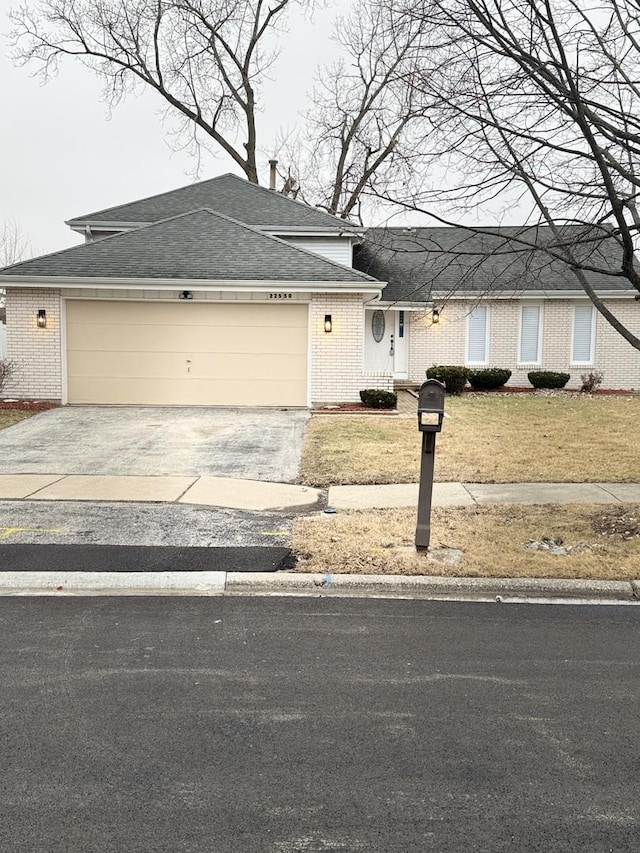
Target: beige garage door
column 187, row 353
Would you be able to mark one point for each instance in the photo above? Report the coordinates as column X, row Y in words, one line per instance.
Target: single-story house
column 227, row 293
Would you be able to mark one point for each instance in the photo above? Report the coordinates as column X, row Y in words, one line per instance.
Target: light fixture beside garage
column 435, row 315
column 42, row 318
column 186, row 294
column 328, row 324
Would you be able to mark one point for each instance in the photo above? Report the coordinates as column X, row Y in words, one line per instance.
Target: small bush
column 375, row 399
column 548, row 379
column 8, row 371
column 489, row 379
column 454, row 377
column 590, row 381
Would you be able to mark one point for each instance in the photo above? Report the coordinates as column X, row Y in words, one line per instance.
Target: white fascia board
column 406, row 306
column 81, row 225
column 197, row 285
column 301, row 231
column 337, row 233
column 536, row 295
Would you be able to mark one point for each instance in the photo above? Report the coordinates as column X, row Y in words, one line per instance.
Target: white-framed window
column 477, row 349
column 530, row 347
column 583, row 335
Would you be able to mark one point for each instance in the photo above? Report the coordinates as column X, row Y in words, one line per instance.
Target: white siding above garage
column 337, row 249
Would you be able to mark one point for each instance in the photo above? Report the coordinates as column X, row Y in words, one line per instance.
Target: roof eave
column 511, row 295
column 80, row 226
column 203, row 285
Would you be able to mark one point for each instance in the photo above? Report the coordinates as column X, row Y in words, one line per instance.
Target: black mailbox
column 431, row 406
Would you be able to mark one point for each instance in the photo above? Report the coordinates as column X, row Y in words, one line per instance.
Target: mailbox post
column 430, row 417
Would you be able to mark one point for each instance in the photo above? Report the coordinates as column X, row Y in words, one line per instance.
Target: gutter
column 197, row 285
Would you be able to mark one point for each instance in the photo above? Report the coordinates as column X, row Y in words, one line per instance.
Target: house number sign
column 280, row 296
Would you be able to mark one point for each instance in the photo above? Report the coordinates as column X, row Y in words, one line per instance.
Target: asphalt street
column 291, row 725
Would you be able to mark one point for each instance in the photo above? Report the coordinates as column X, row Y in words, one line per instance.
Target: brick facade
column 445, row 342
column 36, row 352
column 337, row 372
column 337, row 358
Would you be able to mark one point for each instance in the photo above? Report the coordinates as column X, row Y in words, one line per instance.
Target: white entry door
column 386, row 340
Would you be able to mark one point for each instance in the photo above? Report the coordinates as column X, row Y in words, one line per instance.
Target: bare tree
column 14, row 246
column 363, row 133
column 540, row 99
column 204, row 58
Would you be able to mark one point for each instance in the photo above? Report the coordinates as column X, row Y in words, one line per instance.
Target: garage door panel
column 179, row 339
column 243, row 368
column 189, row 313
column 159, row 392
column 186, row 354
column 124, row 365
column 127, row 366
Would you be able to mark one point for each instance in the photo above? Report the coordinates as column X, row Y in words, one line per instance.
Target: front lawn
column 487, row 439
column 9, row 417
column 492, row 538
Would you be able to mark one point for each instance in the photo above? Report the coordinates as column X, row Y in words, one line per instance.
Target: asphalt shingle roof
column 202, row 244
column 419, row 262
column 227, row 194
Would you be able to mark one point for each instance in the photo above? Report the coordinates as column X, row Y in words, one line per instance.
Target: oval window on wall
column 377, row 326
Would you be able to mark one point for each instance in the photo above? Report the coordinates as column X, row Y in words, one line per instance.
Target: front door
column 386, row 340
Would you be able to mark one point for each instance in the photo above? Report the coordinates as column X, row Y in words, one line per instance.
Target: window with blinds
column 530, row 334
column 478, row 335
column 583, row 334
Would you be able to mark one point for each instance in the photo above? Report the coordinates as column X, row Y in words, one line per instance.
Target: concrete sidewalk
column 252, row 495
column 468, row 494
column 259, row 496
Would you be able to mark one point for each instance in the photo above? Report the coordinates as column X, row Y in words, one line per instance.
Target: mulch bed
column 28, row 405
column 351, row 409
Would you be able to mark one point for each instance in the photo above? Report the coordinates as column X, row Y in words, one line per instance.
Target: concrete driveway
column 248, row 444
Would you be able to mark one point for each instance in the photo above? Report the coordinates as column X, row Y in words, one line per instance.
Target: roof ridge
column 88, row 216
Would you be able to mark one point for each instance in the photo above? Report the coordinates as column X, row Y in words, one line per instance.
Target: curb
column 112, row 583
column 317, row 585
column 389, row 586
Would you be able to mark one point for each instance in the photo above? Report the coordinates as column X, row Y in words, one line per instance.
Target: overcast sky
column 61, row 156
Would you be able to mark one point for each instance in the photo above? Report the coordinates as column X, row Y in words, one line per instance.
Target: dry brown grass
column 487, row 439
column 491, row 538
column 10, row 417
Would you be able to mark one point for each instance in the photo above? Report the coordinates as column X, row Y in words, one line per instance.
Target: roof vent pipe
column 272, row 176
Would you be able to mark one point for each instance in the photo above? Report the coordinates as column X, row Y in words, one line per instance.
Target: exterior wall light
column 328, row 324
column 186, row 294
column 435, row 315
column 42, row 318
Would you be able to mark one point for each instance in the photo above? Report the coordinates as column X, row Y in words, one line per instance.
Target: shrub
column 375, row 399
column 453, row 376
column 489, row 379
column 7, row 372
column 590, row 381
column 548, row 379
